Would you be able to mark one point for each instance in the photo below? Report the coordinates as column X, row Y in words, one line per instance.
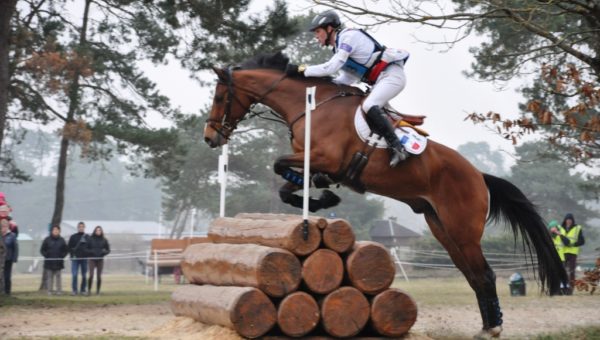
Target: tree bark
column 286, row 234
column 246, row 310
column 74, row 99
column 276, row 272
column 370, row 267
column 393, row 312
column 7, row 9
column 338, row 235
column 344, row 312
column 319, row 221
column 323, row 271
column 298, row 314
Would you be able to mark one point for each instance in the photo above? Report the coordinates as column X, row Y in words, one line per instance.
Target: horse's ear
column 220, row 72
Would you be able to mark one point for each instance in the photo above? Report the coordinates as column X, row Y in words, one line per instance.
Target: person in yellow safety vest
column 557, row 232
column 574, row 234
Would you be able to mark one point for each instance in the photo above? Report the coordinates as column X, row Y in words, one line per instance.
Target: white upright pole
column 155, row 270
column 310, row 105
column 223, row 167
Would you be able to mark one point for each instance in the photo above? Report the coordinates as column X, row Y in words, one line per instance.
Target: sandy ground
column 157, row 321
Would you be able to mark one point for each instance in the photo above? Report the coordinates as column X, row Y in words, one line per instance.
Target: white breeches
column 390, row 82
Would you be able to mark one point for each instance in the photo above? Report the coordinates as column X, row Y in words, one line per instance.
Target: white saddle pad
column 413, row 142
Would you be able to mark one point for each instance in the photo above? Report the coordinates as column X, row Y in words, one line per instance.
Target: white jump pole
column 223, row 167
column 310, row 105
column 155, row 270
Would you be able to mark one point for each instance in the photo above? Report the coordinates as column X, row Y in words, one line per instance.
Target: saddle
column 400, row 120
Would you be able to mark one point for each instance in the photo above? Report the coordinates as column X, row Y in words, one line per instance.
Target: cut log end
column 344, row 312
column 298, row 314
column 338, row 235
column 323, row 271
column 279, row 274
column 370, row 267
column 300, row 246
column 393, row 312
column 254, row 314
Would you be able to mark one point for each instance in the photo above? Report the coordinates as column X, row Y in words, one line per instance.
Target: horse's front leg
column 284, row 167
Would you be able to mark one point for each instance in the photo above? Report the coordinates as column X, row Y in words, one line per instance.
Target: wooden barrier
column 370, row 267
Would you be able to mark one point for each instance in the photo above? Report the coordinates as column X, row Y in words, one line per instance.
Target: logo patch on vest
column 345, row 47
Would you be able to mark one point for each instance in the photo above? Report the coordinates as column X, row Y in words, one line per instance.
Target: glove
column 293, row 70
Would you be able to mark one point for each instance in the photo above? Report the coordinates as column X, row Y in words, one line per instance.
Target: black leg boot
column 379, row 123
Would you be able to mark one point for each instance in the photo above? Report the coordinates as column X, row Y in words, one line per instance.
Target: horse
column 456, row 199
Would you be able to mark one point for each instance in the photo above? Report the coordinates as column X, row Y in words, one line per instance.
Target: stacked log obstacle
column 260, row 277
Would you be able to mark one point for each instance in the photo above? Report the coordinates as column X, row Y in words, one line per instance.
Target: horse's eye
column 219, row 98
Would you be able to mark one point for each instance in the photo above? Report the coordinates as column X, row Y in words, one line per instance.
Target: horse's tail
column 508, row 203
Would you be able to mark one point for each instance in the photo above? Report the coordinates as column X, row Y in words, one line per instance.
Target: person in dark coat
column 98, row 247
column 54, row 249
column 10, row 242
column 78, row 251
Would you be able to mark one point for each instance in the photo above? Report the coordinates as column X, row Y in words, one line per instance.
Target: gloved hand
column 293, row 70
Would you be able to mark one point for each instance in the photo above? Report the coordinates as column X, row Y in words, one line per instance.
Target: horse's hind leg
column 462, row 244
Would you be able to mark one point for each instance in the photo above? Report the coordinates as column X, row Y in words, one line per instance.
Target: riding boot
column 382, row 126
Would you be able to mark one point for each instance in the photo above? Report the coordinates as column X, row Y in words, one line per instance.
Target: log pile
column 260, row 277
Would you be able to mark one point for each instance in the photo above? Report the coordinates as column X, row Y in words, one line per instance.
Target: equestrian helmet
column 327, row 18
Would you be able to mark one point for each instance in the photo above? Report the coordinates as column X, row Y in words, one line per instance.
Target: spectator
column 557, row 232
column 54, row 249
column 10, row 257
column 98, row 247
column 78, row 251
column 575, row 240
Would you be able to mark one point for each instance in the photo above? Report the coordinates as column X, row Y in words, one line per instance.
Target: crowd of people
column 87, row 253
column 568, row 238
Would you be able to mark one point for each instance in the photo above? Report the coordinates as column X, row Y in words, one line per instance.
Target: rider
column 360, row 57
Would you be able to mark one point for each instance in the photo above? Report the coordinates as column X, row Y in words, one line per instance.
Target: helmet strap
column 329, row 33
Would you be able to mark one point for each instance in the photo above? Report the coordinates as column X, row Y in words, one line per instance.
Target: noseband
column 224, row 127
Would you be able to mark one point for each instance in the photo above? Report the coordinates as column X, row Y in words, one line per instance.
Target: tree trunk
column 319, row 221
column 393, row 312
column 370, row 267
column 74, row 88
column 286, row 234
column 344, row 312
column 246, row 310
column 338, row 235
column 7, row 9
column 323, row 271
column 276, row 272
column 298, row 314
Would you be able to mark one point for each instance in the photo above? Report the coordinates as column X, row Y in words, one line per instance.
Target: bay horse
column 456, row 199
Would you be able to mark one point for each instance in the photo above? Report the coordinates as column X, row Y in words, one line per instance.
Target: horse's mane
column 274, row 61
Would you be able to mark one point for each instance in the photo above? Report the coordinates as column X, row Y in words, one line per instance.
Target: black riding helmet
column 327, row 18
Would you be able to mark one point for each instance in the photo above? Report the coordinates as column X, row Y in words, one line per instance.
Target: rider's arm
column 346, row 78
column 330, row 67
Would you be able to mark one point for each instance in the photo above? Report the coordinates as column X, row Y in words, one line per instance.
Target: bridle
column 224, row 127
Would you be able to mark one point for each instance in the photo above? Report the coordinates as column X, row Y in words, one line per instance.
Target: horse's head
column 229, row 107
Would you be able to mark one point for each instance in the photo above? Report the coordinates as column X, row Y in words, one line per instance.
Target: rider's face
column 321, row 35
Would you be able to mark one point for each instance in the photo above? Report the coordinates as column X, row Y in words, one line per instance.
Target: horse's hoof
column 489, row 333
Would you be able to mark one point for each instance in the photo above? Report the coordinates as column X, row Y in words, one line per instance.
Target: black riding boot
column 379, row 123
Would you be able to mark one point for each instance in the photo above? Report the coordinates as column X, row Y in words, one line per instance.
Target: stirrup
column 398, row 155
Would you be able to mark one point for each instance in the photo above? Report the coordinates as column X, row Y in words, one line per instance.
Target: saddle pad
column 413, row 142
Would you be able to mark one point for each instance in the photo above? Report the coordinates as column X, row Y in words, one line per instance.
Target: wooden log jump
column 276, row 272
column 323, row 271
column 286, row 234
column 298, row 314
column 370, row 267
column 246, row 310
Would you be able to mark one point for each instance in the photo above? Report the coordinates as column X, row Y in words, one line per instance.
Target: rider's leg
column 388, row 85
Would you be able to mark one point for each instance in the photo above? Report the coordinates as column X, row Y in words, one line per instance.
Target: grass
column 588, row 333
column 116, row 290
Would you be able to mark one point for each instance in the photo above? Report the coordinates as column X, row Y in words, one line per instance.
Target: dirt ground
column 157, row 321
